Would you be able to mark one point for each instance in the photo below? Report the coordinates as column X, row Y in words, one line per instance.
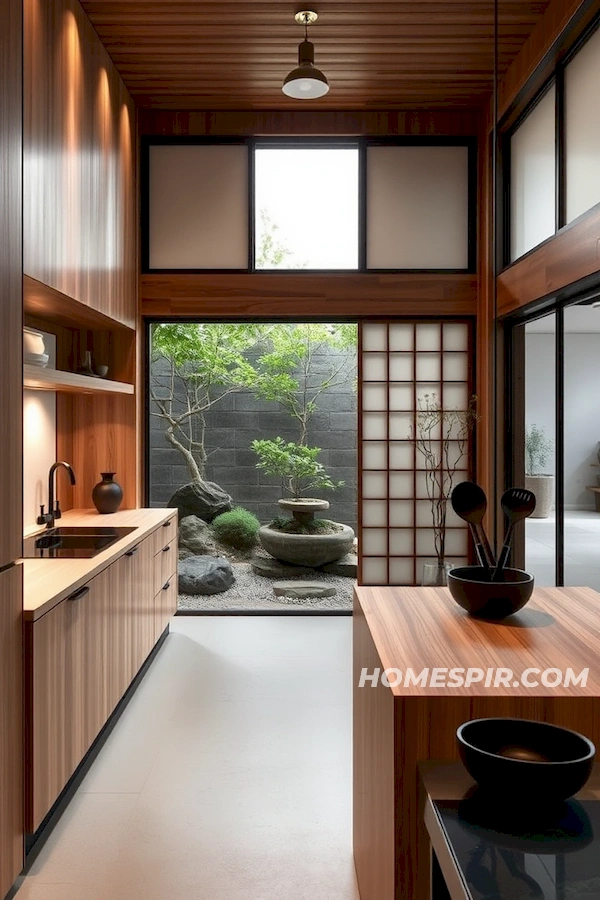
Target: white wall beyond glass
column 582, row 129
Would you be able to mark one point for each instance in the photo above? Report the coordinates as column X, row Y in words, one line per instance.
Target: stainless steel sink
column 72, row 542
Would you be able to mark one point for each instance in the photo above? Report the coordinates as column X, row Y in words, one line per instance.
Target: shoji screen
column 401, row 362
column 198, row 206
column 582, row 129
column 533, row 178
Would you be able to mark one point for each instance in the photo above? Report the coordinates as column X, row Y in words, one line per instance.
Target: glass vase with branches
column 442, row 437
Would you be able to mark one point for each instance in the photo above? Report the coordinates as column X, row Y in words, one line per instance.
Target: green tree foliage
column 294, row 373
column 296, row 465
column 203, row 362
column 538, row 449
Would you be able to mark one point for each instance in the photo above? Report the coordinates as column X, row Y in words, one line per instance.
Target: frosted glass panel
column 425, row 544
column 375, row 485
column 374, row 513
column 401, row 366
column 429, row 367
column 533, row 178
column 400, row 425
column 456, row 366
column 456, row 396
column 401, row 541
column 401, row 571
column 401, row 455
column 456, row 336
column 582, row 128
column 375, row 396
column 401, row 337
column 401, row 485
column 198, row 207
column 374, row 541
column 374, row 571
column 456, row 542
column 375, row 367
column 401, row 396
column 374, row 455
column 401, row 514
column 374, row 336
column 428, row 336
column 375, row 426
column 417, row 208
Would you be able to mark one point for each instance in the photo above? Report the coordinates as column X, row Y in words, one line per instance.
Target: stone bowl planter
column 307, row 549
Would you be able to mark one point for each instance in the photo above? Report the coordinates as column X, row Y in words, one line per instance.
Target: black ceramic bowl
column 472, row 589
column 519, row 757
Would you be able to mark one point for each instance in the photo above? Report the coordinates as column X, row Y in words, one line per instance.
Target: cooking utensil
column 470, row 503
column 517, row 504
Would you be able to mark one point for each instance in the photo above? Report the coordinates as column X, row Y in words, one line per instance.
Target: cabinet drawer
column 165, row 605
column 164, row 534
column 165, row 564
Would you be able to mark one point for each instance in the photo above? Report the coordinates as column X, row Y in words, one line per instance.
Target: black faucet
column 54, row 511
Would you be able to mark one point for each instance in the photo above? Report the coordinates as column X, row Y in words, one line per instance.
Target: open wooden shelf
column 70, row 382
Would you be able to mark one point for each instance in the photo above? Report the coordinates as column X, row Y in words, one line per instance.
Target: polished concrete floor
column 228, row 776
column 582, row 548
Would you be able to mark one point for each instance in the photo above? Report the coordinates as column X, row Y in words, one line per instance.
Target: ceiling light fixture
column 306, row 82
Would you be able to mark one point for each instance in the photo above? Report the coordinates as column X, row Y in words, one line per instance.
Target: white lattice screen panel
column 400, row 363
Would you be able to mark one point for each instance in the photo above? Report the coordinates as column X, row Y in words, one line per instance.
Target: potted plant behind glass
column 301, row 539
column 441, row 436
column 538, row 450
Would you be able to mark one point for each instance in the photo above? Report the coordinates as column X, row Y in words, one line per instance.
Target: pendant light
column 306, row 82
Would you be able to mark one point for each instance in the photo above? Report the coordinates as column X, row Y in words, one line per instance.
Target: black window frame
column 362, row 144
column 506, row 129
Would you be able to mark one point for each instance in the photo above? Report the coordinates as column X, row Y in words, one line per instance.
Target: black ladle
column 517, row 504
column 470, row 503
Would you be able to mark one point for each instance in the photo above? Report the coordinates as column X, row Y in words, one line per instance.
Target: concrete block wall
column 240, row 418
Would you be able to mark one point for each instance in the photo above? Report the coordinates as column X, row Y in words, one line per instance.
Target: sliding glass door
column 555, row 435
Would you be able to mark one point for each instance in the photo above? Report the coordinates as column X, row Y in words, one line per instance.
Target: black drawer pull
column 132, row 552
column 80, row 593
column 166, row 524
column 167, row 586
column 167, row 548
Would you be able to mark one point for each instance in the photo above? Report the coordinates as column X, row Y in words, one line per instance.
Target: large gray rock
column 346, row 566
column 194, row 535
column 204, row 499
column 205, row 575
column 272, row 568
column 302, row 590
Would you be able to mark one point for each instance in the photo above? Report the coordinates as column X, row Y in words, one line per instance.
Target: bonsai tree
column 441, row 436
column 538, row 449
column 296, row 465
column 201, row 364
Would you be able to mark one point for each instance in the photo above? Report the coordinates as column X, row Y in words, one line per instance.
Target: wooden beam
column 297, row 295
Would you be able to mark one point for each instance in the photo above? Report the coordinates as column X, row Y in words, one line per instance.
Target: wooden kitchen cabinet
column 81, row 657
column 11, row 727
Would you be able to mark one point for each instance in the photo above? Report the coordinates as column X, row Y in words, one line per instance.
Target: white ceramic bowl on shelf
column 33, row 342
column 36, row 359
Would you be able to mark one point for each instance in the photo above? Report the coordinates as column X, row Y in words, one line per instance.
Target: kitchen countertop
column 48, row 581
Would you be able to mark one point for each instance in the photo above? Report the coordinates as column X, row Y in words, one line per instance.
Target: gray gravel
column 251, row 591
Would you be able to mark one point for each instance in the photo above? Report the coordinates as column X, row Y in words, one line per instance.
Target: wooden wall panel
column 224, row 295
column 79, row 163
column 11, row 251
column 11, row 726
column 309, row 122
column 562, row 260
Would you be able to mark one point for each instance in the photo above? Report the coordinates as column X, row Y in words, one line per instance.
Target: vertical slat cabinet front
column 404, row 365
column 11, row 727
column 142, row 601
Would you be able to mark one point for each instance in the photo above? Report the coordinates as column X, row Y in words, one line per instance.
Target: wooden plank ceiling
column 220, row 54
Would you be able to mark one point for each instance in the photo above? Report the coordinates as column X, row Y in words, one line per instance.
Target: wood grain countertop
column 48, row 581
column 418, row 628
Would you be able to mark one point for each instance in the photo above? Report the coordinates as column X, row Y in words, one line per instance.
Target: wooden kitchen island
column 396, row 727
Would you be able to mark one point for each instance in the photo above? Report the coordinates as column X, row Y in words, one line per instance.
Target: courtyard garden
column 253, row 440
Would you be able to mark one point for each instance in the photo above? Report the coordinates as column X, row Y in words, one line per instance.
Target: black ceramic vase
column 107, row 494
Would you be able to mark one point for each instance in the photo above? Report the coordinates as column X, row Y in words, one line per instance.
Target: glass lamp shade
column 305, row 82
